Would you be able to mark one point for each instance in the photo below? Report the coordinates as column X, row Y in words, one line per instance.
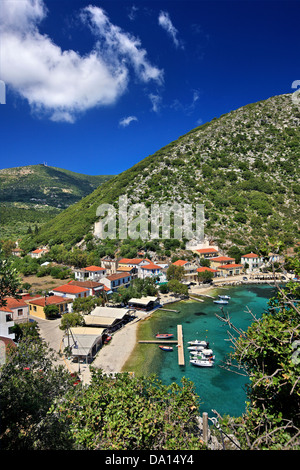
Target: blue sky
column 96, row 86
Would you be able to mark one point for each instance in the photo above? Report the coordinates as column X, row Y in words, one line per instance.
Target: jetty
column 195, row 298
column 168, row 309
column 178, row 341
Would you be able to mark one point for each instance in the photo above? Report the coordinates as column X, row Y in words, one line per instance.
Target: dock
column 178, row 341
column 195, row 298
column 180, row 345
column 168, row 309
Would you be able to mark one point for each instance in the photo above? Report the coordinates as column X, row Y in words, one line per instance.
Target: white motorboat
column 197, row 342
column 224, row 297
column 196, row 348
column 203, row 354
column 221, row 302
column 202, row 362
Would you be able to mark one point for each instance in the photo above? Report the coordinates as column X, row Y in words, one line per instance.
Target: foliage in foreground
column 270, row 353
column 129, row 413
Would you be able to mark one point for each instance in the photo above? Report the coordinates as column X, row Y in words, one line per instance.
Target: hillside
column 244, row 166
column 34, row 194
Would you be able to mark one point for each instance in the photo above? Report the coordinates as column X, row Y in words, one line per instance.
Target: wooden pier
column 178, row 341
column 180, row 345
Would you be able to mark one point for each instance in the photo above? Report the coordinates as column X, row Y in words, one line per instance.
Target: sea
column 217, row 387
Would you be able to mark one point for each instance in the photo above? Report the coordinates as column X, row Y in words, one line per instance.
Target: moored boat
column 196, row 348
column 202, row 362
column 203, row 354
column 221, row 302
column 164, row 335
column 197, row 342
column 165, row 348
column 224, row 297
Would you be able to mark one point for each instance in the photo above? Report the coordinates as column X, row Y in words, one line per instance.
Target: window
column 20, row 312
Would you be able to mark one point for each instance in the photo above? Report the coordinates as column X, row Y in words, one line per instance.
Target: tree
column 70, row 320
column 86, row 304
column 269, row 353
column 9, row 280
column 175, row 272
column 177, row 287
column 29, row 385
column 205, row 276
column 131, row 413
column 51, row 311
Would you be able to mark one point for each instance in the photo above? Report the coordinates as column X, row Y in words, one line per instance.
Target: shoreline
column 112, row 357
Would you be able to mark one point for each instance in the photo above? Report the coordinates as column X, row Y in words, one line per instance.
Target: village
column 84, row 344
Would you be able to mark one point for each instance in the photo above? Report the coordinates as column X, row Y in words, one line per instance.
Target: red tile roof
column 133, row 260
column 51, row 300
column 94, row 268
column 222, row 258
column 228, row 266
column 250, row 255
column 205, row 268
column 207, row 250
column 113, row 277
column 180, row 262
column 150, row 266
column 15, row 303
column 69, row 289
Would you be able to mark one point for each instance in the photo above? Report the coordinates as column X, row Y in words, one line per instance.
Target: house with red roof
column 90, row 273
column 230, row 269
column 202, row 269
column 218, row 261
column 38, row 253
column 252, row 261
column 71, row 291
column 114, row 281
column 150, row 270
column 6, row 323
column 38, row 304
column 207, row 252
column 190, row 269
column 18, row 309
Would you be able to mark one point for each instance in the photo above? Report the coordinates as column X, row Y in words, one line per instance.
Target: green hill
column 244, row 167
column 34, row 194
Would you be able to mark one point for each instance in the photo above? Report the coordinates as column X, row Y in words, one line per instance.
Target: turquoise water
column 216, row 387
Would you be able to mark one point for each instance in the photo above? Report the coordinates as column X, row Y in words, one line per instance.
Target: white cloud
column 61, row 84
column 156, row 102
column 127, row 120
column 165, row 22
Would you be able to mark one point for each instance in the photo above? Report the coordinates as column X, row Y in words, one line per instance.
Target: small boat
column 164, row 335
column 196, row 342
column 165, row 348
column 196, row 348
column 221, row 302
column 203, row 354
column 224, row 297
column 202, row 362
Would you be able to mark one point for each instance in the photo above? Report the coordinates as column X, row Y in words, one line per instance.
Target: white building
column 253, row 260
column 6, row 323
column 90, row 273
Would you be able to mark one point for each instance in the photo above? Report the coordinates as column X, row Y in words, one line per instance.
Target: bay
column 218, row 389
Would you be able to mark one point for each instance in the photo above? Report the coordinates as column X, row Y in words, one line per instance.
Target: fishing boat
column 165, row 348
column 221, row 302
column 201, row 362
column 224, row 297
column 197, row 342
column 164, row 335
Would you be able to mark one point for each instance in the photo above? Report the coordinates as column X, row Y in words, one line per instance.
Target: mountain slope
column 36, row 193
column 244, row 166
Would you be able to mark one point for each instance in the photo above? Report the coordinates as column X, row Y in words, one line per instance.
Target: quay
column 195, row 298
column 178, row 341
column 168, row 309
column 180, row 345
